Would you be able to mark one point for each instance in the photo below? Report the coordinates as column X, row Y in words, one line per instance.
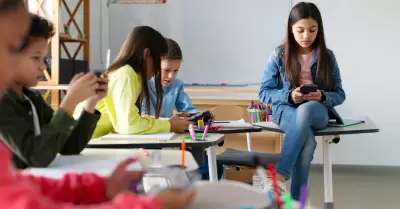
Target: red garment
column 20, row 191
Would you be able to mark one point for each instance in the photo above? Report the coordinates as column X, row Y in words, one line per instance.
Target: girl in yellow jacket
column 138, row 61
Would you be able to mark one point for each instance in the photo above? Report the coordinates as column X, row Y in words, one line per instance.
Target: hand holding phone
column 308, row 88
column 98, row 72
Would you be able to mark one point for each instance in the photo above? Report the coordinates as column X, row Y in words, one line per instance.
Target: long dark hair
column 132, row 53
column 323, row 77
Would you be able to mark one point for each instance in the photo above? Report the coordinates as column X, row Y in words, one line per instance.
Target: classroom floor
column 358, row 188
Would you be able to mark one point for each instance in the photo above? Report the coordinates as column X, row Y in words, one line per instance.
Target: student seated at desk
column 173, row 87
column 137, row 62
column 28, row 125
column 303, row 59
column 174, row 94
column 84, row 191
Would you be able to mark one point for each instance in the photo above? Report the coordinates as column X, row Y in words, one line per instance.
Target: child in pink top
column 305, row 73
column 85, row 191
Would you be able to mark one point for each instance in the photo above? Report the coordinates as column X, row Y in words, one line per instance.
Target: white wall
column 363, row 36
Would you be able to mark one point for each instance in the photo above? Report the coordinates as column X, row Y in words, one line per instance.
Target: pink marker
column 205, row 133
column 191, row 131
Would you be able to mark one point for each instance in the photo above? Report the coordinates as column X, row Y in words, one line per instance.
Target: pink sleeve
column 29, row 192
column 78, row 189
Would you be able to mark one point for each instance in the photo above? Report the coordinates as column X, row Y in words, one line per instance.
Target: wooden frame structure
column 60, row 40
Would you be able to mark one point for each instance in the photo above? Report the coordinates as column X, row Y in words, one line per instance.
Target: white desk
column 103, row 161
column 212, row 141
column 330, row 135
column 228, row 194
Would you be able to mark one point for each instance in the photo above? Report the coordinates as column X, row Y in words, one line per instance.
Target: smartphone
column 98, row 72
column 307, row 88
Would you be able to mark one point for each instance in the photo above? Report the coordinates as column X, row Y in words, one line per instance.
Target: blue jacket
column 275, row 89
column 174, row 97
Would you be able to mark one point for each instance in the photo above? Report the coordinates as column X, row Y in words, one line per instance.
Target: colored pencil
column 271, row 169
column 183, row 148
column 303, row 196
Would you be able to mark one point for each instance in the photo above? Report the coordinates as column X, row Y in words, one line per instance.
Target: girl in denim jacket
column 302, row 59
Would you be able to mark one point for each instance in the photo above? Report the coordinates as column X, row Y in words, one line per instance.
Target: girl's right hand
column 296, row 96
column 176, row 198
column 178, row 125
column 81, row 87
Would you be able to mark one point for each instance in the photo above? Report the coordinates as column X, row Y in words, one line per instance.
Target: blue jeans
column 299, row 142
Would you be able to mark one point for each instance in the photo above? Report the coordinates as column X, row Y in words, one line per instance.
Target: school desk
column 330, row 135
column 207, row 97
column 198, row 147
column 103, row 161
column 233, row 127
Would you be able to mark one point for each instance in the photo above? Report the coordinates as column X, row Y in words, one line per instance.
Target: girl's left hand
column 313, row 96
column 121, row 179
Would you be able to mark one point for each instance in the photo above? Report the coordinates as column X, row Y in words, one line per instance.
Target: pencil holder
column 259, row 115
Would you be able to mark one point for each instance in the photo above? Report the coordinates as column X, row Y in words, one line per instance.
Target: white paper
column 102, row 165
column 233, row 124
column 161, row 137
column 230, row 195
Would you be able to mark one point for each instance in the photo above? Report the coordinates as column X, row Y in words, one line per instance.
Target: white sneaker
column 268, row 186
column 267, row 183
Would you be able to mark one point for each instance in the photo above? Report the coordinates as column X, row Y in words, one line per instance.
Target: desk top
column 231, row 127
column 227, row 194
column 103, row 161
column 367, row 127
column 175, row 141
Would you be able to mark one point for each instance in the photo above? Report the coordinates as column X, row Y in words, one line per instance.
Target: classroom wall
column 363, row 36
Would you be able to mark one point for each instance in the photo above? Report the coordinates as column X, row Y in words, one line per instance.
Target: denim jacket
column 174, row 97
column 275, row 88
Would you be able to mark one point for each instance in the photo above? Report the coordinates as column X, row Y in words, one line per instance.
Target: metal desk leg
column 249, row 146
column 212, row 163
column 327, row 172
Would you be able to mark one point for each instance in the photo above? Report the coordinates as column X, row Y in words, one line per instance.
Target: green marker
column 198, row 137
column 287, row 199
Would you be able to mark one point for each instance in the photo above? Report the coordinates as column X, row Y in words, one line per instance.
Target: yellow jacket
column 119, row 113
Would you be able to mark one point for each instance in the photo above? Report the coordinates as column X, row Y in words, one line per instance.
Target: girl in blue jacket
column 174, row 95
column 302, row 59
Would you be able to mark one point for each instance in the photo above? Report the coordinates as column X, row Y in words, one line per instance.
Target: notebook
column 233, row 124
column 102, row 165
column 161, row 137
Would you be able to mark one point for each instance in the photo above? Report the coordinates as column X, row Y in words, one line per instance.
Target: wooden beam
column 72, row 15
column 55, row 43
column 66, row 50
column 86, row 30
column 77, row 51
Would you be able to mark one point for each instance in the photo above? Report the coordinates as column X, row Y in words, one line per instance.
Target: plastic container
column 259, row 115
